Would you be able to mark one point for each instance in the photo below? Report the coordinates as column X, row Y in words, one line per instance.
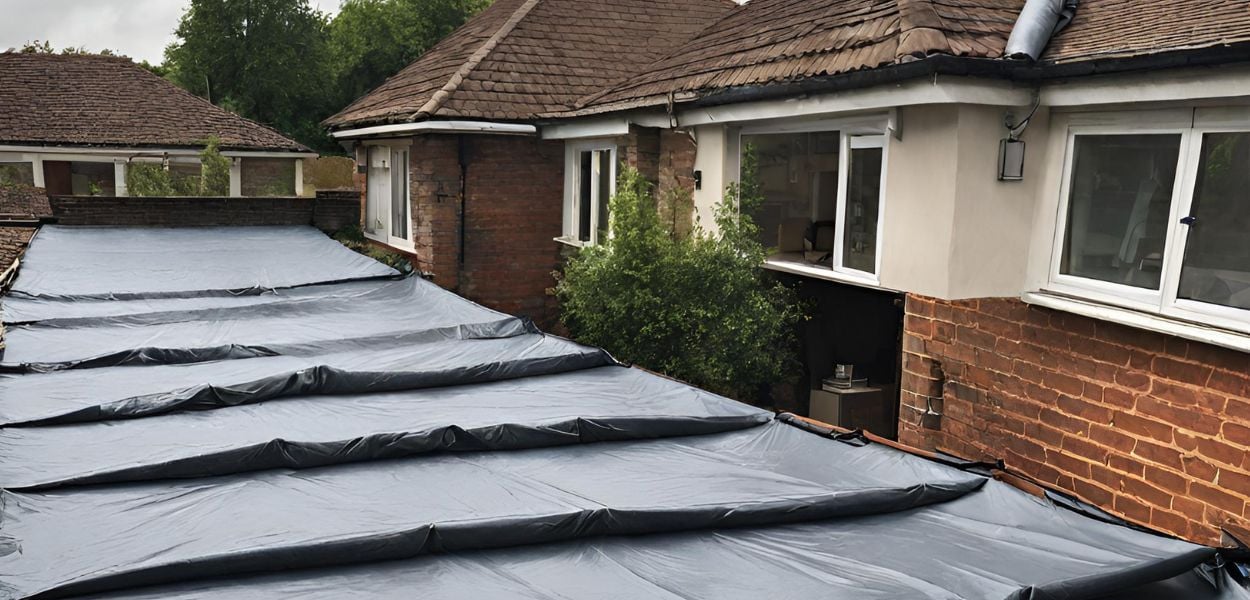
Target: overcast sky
column 139, row 29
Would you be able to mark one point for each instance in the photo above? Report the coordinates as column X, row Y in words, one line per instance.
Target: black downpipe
column 464, row 171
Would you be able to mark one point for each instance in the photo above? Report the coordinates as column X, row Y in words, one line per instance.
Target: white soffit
column 951, row 90
column 1151, row 86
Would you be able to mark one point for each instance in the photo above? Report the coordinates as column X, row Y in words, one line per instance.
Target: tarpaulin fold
column 259, row 413
column 127, row 262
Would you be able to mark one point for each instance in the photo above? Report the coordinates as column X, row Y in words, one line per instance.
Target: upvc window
column 387, row 195
column 823, row 189
column 1158, row 220
column 590, row 182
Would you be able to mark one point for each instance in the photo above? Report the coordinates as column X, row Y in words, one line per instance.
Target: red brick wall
column 328, row 211
column 513, row 210
column 435, row 190
column 1149, row 427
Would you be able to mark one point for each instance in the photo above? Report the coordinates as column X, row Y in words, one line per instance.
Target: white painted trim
column 299, row 177
column 1142, row 320
column 134, row 152
column 589, row 128
column 438, row 127
column 260, row 154
column 955, row 90
column 572, row 168
column 236, row 177
column 823, row 273
column 119, row 179
column 1152, row 86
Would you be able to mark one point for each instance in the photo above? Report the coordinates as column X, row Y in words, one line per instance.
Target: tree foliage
column 285, row 64
column 371, row 40
column 156, row 179
column 697, row 307
column 267, row 60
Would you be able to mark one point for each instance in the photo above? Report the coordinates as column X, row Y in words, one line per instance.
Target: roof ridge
column 921, row 30
column 436, row 101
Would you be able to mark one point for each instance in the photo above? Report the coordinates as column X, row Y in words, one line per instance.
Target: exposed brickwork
column 435, row 188
column 23, row 201
column 1150, row 427
column 267, row 176
column 328, row 211
column 513, row 210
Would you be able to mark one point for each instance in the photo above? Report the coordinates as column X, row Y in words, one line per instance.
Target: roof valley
column 436, row 101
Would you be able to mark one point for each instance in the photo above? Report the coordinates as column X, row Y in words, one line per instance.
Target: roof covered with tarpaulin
column 261, row 413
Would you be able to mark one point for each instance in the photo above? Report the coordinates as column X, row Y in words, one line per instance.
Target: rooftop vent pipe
column 1039, row 20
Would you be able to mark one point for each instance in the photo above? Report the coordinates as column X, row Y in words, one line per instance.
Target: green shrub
column 696, row 306
column 155, row 179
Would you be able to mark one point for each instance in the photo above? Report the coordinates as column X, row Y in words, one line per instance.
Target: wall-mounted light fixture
column 1011, row 148
column 698, row 180
column 1010, row 159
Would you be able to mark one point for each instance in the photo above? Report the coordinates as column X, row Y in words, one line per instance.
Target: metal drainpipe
column 1039, row 21
column 464, row 170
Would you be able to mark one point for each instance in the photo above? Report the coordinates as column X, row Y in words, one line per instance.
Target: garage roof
column 297, row 422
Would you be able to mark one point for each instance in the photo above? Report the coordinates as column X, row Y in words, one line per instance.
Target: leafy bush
column 696, row 306
column 156, row 179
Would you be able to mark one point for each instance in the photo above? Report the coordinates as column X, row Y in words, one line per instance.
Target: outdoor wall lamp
column 1011, row 148
column 1010, row 159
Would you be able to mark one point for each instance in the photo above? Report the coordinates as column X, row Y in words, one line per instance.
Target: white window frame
column 1163, row 301
column 392, row 148
column 572, row 185
column 858, row 132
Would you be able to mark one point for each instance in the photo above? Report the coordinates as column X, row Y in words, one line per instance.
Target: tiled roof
column 90, row 100
column 772, row 41
column 1108, row 29
column 521, row 58
column 23, row 201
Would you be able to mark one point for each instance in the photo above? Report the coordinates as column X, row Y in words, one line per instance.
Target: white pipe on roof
column 438, row 127
column 1039, row 21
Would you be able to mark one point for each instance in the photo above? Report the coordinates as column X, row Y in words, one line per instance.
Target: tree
column 371, row 40
column 695, row 306
column 267, row 60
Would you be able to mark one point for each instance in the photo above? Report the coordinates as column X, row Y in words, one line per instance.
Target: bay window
column 1158, row 220
column 590, row 182
column 387, row 197
column 821, row 188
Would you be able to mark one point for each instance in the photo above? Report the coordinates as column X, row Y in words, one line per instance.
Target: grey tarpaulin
column 348, row 433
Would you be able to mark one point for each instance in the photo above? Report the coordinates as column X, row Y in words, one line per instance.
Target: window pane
column 605, row 192
column 797, row 175
column 17, row 173
column 1121, row 193
column 1217, row 255
column 863, row 197
column 584, row 204
column 399, row 194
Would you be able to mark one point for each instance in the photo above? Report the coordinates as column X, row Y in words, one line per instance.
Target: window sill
column 405, row 247
column 797, row 266
column 568, row 241
column 1142, row 320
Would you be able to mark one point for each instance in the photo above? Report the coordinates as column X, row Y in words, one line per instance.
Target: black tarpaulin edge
column 218, row 293
column 297, row 454
column 160, row 355
column 318, row 380
column 483, row 534
column 1099, row 585
column 1082, row 588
